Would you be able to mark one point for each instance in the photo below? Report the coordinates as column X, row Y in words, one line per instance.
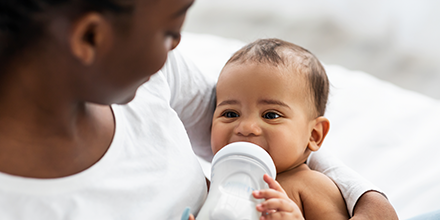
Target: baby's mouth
column 250, row 141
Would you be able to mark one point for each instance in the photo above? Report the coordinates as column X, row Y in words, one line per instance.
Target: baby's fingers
column 282, row 215
column 269, row 194
column 278, row 205
column 279, row 209
column 272, row 183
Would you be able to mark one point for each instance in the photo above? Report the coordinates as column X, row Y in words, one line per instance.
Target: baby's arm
column 320, row 197
column 277, row 204
column 362, row 197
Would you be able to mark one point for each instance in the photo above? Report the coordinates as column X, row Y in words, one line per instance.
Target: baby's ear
column 321, row 125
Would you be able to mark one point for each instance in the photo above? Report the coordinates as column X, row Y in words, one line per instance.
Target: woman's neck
column 45, row 133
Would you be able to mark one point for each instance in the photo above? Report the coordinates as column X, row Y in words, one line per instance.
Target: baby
column 274, row 93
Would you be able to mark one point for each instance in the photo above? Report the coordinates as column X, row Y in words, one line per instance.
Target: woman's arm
column 191, row 95
column 373, row 205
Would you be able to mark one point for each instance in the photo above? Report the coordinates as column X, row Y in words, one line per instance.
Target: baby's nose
column 248, row 127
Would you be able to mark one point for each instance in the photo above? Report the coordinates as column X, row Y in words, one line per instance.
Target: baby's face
column 264, row 105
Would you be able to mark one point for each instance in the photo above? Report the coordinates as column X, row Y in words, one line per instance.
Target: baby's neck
column 293, row 170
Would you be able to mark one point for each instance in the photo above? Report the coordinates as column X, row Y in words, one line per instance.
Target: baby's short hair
column 278, row 52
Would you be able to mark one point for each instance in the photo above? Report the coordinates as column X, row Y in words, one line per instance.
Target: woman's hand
column 277, row 205
column 374, row 206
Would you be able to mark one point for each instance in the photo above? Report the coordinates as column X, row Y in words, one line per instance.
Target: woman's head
column 101, row 49
column 22, row 22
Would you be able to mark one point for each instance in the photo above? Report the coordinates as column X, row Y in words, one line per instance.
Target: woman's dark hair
column 278, row 52
column 21, row 24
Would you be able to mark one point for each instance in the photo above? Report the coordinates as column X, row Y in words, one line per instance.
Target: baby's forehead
column 289, row 70
column 287, row 75
column 293, row 76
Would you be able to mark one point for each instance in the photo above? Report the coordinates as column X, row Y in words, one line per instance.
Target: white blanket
column 385, row 133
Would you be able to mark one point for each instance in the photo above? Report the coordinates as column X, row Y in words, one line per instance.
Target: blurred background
column 394, row 40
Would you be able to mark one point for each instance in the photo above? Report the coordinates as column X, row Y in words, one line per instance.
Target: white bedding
column 385, row 133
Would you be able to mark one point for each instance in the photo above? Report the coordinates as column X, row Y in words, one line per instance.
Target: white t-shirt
column 149, row 171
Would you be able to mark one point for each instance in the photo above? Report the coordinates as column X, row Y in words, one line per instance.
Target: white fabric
column 389, row 135
column 149, row 171
column 211, row 52
column 386, row 134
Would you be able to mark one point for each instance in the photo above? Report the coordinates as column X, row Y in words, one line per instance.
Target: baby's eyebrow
column 228, row 102
column 273, row 102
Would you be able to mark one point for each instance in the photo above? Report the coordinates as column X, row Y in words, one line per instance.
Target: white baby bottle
column 237, row 170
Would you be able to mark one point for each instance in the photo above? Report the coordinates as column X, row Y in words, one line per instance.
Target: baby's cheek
column 219, row 137
column 215, row 146
column 218, row 144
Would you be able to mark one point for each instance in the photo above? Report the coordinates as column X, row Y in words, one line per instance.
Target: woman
column 67, row 149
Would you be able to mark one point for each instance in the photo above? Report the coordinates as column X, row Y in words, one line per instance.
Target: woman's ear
column 321, row 126
column 89, row 34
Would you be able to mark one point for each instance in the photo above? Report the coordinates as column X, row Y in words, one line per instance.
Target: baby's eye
column 230, row 114
column 271, row 115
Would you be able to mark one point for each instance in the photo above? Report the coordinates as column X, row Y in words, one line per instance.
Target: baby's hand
column 277, row 205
